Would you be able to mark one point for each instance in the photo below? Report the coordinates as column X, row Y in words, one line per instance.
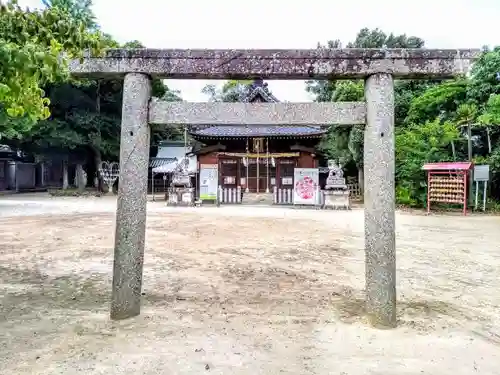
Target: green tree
column 86, row 114
column 347, row 144
column 466, row 116
column 231, row 91
column 366, row 38
column 32, row 44
column 484, row 79
column 79, row 10
column 437, row 101
column 416, row 145
column 490, row 118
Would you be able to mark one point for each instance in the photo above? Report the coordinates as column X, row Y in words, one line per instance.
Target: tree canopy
column 46, row 111
column 433, row 118
column 34, row 46
column 43, row 110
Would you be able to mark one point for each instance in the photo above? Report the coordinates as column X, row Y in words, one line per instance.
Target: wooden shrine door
column 258, row 175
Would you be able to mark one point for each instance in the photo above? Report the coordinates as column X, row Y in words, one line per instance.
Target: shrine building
column 257, row 158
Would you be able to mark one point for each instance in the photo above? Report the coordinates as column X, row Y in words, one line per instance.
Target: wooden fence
column 285, row 196
column 230, row 195
column 355, row 191
column 282, row 196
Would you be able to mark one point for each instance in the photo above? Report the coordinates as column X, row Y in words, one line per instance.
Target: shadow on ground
column 28, row 291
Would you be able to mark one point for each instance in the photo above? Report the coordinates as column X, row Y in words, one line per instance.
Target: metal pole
column 464, row 181
column 428, row 192
column 477, row 193
column 248, row 161
column 469, row 152
column 258, row 165
column 267, row 179
column 484, row 195
column 164, row 184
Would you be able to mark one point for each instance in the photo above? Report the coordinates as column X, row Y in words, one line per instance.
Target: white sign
column 482, row 172
column 306, row 186
column 209, row 181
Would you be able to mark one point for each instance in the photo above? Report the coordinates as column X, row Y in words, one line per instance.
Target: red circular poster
column 306, row 188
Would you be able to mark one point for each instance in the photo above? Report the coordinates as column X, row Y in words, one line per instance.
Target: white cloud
column 288, row 24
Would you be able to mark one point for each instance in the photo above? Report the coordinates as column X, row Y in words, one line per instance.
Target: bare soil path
column 238, row 290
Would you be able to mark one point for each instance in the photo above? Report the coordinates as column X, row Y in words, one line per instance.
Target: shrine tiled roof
column 258, row 131
column 256, row 92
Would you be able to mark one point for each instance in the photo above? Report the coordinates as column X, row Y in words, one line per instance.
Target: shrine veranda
column 378, row 67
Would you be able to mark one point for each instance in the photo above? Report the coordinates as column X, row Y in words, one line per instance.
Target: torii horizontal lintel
column 184, row 113
column 350, row 63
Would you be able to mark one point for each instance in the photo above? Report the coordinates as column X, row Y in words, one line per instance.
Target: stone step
column 258, row 198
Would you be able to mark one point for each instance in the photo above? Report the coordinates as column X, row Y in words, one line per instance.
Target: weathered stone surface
column 132, row 198
column 243, row 114
column 379, row 201
column 279, row 64
column 379, row 65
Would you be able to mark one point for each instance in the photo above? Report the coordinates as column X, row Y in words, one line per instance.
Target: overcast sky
column 290, row 24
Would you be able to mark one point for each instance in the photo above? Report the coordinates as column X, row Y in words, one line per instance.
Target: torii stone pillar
column 379, row 201
column 132, row 198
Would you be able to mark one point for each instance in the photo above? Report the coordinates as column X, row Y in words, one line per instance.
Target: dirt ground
column 236, row 290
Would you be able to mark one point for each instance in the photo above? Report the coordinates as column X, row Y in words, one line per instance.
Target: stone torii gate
column 378, row 67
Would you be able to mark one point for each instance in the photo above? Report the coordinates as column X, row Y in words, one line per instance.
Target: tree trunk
column 97, row 153
column 80, row 183
column 65, row 182
column 97, row 162
column 453, row 150
column 91, row 171
column 489, row 139
column 361, row 179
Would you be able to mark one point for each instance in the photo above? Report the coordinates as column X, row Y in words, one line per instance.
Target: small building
column 18, row 172
column 168, row 157
column 21, row 171
column 257, row 158
column 60, row 169
column 7, row 155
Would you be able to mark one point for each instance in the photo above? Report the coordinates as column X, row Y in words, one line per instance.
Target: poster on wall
column 209, row 183
column 305, row 186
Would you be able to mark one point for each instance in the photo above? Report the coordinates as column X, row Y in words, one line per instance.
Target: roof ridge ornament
column 259, row 87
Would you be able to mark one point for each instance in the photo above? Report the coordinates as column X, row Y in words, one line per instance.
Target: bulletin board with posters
column 306, row 186
column 209, row 181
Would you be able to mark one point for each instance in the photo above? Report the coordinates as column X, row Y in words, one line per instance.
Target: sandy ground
column 236, row 290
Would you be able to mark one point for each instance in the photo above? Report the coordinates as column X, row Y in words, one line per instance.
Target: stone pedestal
column 180, row 196
column 337, row 198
